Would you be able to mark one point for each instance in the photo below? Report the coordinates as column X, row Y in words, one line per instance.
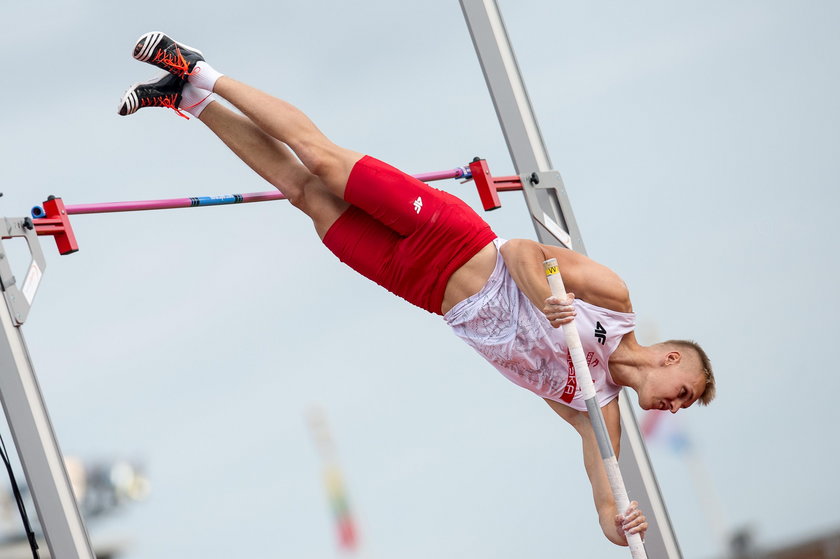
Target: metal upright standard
column 555, row 224
column 26, row 412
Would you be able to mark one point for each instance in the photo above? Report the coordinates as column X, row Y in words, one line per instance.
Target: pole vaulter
column 431, row 249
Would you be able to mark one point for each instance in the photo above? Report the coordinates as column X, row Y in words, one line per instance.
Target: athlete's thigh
column 364, row 244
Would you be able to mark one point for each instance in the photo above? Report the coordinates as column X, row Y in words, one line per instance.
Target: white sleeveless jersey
column 502, row 324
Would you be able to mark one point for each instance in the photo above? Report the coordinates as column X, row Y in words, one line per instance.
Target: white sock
column 204, row 76
column 194, row 99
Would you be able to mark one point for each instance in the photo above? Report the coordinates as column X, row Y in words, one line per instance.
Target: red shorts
column 403, row 234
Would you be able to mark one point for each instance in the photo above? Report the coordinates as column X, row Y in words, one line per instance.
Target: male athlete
column 431, row 249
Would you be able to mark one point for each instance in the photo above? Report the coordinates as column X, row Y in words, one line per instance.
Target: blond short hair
column 709, row 393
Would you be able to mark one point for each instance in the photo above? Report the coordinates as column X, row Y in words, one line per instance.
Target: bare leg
column 286, row 123
column 273, row 161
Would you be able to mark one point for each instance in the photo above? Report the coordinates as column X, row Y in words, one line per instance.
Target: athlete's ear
column 672, row 358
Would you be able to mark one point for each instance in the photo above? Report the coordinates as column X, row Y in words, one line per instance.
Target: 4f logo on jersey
column 600, row 333
column 418, row 204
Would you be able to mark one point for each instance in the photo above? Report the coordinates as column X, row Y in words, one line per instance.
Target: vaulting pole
column 587, row 389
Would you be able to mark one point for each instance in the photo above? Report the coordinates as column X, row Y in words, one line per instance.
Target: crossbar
column 39, row 212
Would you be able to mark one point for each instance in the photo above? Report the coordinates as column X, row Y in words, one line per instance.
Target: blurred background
column 698, row 142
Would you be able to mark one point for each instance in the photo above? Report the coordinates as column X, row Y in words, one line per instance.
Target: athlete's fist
column 560, row 311
column 631, row 522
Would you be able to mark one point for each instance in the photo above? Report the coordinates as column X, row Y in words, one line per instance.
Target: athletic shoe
column 162, row 51
column 162, row 91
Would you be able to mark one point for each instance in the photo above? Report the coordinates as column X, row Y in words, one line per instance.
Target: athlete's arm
column 588, row 280
column 609, row 519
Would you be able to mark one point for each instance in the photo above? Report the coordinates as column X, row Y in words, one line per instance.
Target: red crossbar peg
column 489, row 186
column 56, row 222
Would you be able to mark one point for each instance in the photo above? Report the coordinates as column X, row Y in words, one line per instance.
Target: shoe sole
column 153, row 39
column 130, row 100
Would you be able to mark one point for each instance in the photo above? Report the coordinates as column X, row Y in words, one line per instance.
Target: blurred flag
column 348, row 540
column 341, row 511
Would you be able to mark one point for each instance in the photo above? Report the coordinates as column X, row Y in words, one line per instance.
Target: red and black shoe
column 163, row 91
column 159, row 49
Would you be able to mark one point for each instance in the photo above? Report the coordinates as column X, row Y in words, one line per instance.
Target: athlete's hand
column 631, row 522
column 560, row 311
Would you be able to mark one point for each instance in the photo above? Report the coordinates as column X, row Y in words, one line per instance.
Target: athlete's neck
column 629, row 361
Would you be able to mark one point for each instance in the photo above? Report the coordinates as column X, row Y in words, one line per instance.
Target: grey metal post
column 26, row 412
column 555, row 224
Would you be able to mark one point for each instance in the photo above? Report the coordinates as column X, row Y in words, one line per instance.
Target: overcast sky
column 698, row 142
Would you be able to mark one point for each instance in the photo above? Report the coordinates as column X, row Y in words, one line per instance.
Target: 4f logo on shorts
column 418, row 204
column 600, row 333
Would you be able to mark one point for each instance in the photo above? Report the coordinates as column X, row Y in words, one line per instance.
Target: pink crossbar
column 140, row 205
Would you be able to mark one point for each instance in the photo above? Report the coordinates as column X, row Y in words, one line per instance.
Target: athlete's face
column 672, row 388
